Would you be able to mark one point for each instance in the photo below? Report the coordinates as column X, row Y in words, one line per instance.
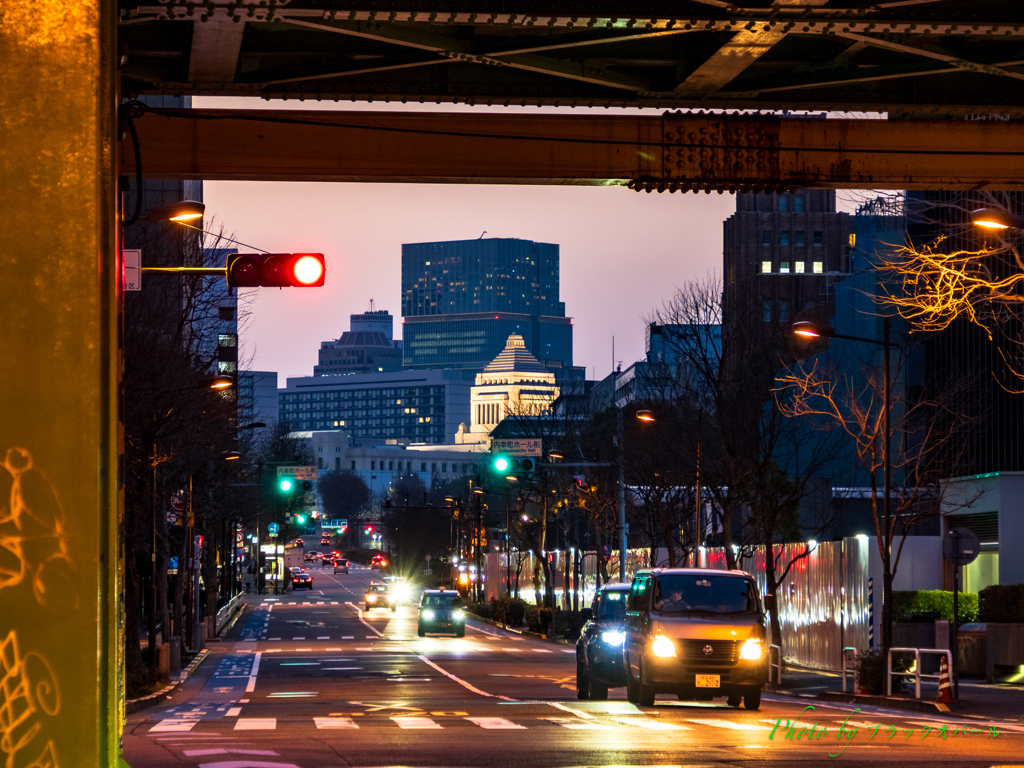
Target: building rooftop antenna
column 371, row 305
column 482, row 235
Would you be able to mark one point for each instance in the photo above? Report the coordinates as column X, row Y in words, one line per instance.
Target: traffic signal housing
column 276, row 270
column 290, row 486
column 513, row 466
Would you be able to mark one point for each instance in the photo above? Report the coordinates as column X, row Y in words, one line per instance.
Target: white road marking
column 253, row 672
column 335, row 722
column 233, row 712
column 256, row 724
column 569, row 650
column 229, row 751
column 461, row 682
column 325, row 637
column 298, row 638
column 653, row 725
column 578, row 713
column 167, row 726
column 513, row 650
column 497, row 723
column 569, row 722
column 337, row 669
column 541, row 650
column 730, row 725
column 416, row 723
column 348, row 637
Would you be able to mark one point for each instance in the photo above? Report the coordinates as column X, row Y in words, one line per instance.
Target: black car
column 599, row 650
column 441, row 611
column 301, row 579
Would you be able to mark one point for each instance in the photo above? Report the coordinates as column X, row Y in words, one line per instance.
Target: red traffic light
column 276, row 270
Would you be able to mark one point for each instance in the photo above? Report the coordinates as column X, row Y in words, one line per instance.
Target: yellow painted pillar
column 61, row 694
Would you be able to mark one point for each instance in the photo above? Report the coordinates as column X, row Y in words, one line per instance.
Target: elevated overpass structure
column 947, row 75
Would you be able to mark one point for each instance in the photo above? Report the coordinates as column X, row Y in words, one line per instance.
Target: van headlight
column 752, row 649
column 662, row 646
column 458, row 615
column 428, row 614
column 613, row 637
column 371, row 598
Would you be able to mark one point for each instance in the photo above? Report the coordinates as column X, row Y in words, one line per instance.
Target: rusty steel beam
column 673, row 151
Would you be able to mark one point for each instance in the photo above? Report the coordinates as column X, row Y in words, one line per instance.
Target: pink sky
column 622, row 252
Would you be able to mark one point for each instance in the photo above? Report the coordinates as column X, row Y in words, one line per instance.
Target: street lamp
column 993, row 218
column 810, row 330
column 186, row 210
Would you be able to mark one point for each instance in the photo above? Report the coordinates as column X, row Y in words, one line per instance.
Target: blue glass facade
column 469, row 276
column 472, row 341
column 462, row 299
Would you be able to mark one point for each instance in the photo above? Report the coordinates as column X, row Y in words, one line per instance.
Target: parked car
column 695, row 633
column 301, row 579
column 379, row 596
column 340, row 565
column 599, row 649
column 441, row 611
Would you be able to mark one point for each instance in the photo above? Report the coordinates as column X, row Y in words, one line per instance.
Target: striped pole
column 871, row 613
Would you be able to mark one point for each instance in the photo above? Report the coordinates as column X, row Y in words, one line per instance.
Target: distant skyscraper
column 461, row 300
column 782, row 255
column 367, row 347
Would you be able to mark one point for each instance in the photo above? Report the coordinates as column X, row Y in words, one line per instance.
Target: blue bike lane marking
column 222, row 691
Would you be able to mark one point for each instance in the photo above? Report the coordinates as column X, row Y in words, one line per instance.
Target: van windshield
column 442, row 601
column 704, row 593
column 613, row 606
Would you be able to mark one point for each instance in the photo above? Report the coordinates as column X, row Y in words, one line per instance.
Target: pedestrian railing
column 225, row 613
column 846, row 653
column 916, row 671
column 778, row 664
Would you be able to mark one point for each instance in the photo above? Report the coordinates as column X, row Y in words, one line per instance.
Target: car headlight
column 613, row 637
column 428, row 614
column 458, row 615
column 662, row 646
column 371, row 598
column 752, row 649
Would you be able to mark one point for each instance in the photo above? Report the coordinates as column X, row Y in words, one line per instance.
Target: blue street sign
column 273, row 528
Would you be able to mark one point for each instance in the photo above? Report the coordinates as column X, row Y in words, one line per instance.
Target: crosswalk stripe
column 347, row 637
column 730, row 725
column 652, row 725
column 572, row 723
column 513, row 650
column 233, row 712
column 325, row 637
column 416, row 723
column 335, row 722
column 256, row 724
column 541, row 650
column 173, row 726
column 495, row 723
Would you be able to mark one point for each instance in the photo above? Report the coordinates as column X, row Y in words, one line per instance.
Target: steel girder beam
column 673, row 151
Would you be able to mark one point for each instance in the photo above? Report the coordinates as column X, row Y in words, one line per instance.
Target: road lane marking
column 253, row 672
column 496, row 723
column 229, row 751
column 578, row 713
column 415, row 723
column 568, row 722
column 513, row 650
column 167, row 726
column 461, row 682
column 336, row 669
column 730, row 725
column 348, row 637
column 325, row 637
column 541, row 650
column 569, row 650
column 335, row 722
column 298, row 638
column 653, row 725
column 233, row 712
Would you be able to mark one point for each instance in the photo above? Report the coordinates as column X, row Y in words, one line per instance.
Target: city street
column 310, row 680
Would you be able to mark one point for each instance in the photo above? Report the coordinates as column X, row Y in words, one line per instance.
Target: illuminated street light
column 186, row 210
column 993, row 218
column 811, row 330
column 222, row 382
column 556, row 455
column 647, row 416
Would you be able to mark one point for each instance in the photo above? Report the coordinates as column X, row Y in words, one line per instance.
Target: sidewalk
column 978, row 699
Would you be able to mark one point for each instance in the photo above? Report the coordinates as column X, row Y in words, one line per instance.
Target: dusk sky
column 622, row 252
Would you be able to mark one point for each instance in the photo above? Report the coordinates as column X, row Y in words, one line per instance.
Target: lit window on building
column 766, row 267
column 818, row 267
column 799, row 268
column 784, row 268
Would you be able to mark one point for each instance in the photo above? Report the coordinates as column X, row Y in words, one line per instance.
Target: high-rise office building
column 462, row 299
column 367, row 347
column 782, row 255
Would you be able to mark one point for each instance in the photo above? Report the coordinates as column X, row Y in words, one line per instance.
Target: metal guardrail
column 845, row 655
column 916, row 674
column 778, row 664
column 224, row 614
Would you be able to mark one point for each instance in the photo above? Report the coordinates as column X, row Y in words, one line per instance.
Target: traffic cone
column 945, row 686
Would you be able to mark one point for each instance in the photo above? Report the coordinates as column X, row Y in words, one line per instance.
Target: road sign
column 178, row 501
column 518, row 447
column 132, row 263
column 173, row 518
column 298, row 471
column 273, row 528
column 960, row 546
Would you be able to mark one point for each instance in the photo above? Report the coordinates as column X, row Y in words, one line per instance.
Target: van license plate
column 709, row 681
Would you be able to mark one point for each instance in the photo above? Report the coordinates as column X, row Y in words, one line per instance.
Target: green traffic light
column 300, row 519
column 286, row 485
column 501, row 464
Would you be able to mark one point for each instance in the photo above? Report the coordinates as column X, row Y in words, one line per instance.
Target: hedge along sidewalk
column 524, row 632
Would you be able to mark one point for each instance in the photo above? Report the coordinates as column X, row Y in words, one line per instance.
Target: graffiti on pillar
column 33, row 538
column 28, row 694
